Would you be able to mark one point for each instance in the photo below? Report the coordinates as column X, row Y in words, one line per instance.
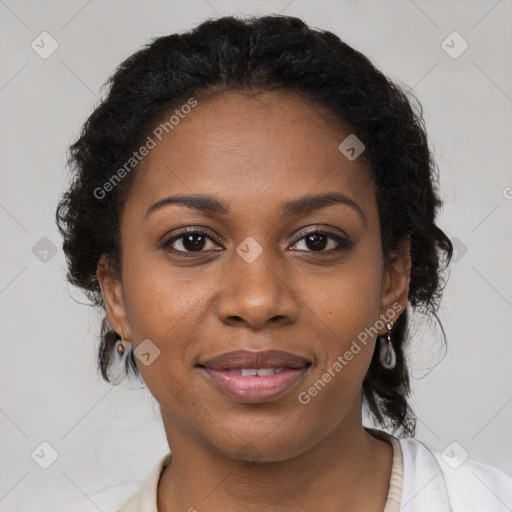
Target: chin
column 261, row 446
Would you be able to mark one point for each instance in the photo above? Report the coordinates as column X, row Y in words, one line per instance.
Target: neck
column 349, row 467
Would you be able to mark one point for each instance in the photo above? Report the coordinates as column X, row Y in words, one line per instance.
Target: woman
column 254, row 207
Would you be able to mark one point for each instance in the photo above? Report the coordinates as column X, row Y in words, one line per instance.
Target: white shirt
column 421, row 481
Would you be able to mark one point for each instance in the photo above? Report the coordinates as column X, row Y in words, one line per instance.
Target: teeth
column 265, row 371
column 262, row 372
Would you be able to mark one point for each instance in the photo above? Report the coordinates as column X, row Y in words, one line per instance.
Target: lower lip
column 253, row 388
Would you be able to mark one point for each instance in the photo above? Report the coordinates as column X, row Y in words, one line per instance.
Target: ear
column 395, row 283
column 112, row 291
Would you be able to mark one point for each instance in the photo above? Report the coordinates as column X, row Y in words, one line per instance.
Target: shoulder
column 453, row 482
column 145, row 499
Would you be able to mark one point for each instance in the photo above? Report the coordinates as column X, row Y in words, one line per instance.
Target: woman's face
column 254, row 278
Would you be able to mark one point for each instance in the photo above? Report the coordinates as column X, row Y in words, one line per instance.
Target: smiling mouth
column 255, row 377
column 261, row 372
column 265, row 359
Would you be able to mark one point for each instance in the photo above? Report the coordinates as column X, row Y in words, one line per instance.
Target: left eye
column 322, row 242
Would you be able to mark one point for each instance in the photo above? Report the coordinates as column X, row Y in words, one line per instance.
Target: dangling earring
column 387, row 352
column 121, row 347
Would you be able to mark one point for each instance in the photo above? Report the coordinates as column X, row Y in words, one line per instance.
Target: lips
column 255, row 377
column 243, row 359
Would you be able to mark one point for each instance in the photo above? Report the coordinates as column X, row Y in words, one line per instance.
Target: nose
column 256, row 295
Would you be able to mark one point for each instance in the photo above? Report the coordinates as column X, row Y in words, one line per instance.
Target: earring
column 121, row 347
column 387, row 352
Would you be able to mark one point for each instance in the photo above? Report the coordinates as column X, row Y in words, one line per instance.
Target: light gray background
column 108, row 439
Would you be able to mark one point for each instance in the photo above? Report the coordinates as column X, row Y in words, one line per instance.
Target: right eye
column 188, row 242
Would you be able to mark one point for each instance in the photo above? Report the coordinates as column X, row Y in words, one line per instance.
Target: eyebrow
column 300, row 206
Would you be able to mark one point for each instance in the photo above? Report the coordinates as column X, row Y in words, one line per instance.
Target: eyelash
column 343, row 243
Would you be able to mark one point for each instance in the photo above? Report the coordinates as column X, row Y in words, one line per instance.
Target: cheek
column 349, row 297
column 348, row 305
column 159, row 298
column 165, row 308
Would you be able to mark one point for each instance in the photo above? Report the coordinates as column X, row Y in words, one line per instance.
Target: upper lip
column 262, row 359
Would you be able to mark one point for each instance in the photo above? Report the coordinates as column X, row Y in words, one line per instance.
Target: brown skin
column 254, row 153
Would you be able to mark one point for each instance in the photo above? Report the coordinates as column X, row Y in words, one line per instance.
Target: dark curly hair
column 263, row 54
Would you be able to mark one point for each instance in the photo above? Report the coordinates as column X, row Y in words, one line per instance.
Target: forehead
column 244, row 148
